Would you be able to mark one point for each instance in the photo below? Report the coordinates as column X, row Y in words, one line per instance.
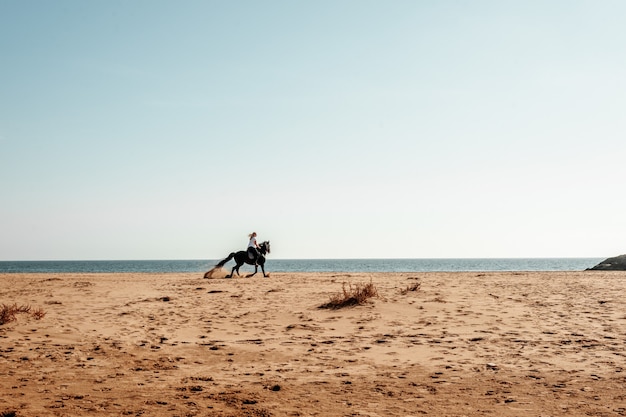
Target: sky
column 152, row 129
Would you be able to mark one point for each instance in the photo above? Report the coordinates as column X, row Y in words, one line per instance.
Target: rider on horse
column 255, row 255
column 253, row 247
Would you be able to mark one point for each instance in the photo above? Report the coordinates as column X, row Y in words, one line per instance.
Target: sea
column 307, row 265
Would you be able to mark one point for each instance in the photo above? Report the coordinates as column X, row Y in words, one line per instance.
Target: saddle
column 253, row 254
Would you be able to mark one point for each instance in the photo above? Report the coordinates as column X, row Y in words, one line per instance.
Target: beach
column 440, row 344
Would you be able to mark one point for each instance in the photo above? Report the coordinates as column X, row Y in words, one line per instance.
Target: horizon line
column 299, row 259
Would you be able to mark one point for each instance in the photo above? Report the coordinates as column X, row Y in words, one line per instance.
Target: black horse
column 242, row 257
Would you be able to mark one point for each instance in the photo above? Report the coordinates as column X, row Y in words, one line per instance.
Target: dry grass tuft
column 413, row 287
column 8, row 313
column 39, row 314
column 352, row 295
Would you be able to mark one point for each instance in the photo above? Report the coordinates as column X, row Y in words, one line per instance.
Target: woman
column 253, row 246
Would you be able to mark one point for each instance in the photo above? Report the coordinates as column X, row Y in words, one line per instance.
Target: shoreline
column 463, row 343
column 309, row 265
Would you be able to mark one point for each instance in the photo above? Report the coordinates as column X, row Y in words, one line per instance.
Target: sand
column 439, row 344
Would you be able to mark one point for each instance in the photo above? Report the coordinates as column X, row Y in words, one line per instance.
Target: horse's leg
column 256, row 268
column 232, row 272
column 263, row 269
column 236, row 268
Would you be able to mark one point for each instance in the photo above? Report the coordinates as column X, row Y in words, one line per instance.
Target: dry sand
column 463, row 344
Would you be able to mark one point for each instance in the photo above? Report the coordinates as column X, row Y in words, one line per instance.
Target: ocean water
column 308, row 265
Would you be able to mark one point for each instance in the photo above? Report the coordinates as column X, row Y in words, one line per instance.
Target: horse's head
column 265, row 247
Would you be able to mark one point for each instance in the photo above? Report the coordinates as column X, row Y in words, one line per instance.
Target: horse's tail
column 228, row 258
column 210, row 273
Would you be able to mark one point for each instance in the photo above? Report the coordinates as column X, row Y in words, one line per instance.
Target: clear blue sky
column 335, row 129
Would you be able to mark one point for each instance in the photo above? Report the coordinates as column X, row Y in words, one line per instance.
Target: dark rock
column 617, row 263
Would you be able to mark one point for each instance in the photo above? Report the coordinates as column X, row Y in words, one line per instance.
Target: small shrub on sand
column 8, row 313
column 413, row 287
column 351, row 295
column 38, row 313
